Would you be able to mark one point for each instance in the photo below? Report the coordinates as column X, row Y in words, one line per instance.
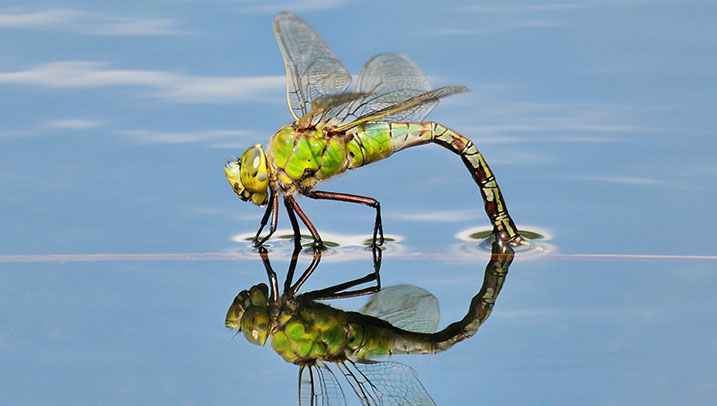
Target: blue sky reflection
column 597, row 117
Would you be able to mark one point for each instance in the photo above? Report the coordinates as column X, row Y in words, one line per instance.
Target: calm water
column 598, row 120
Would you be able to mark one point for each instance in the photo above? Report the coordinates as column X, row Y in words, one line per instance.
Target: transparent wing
column 393, row 88
column 312, row 70
column 389, row 74
column 405, row 306
column 391, row 79
column 386, row 384
column 385, row 80
column 326, row 108
column 414, row 108
column 318, row 387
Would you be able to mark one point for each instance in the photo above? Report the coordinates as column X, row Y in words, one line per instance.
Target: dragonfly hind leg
column 293, row 209
column 369, row 201
column 342, row 291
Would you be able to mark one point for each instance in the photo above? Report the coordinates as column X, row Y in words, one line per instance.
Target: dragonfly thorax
column 299, row 158
column 249, row 176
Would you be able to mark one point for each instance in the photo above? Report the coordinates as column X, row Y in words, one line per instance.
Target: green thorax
column 301, row 158
column 311, row 331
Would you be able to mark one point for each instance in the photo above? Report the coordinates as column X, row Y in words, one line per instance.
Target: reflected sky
column 597, row 118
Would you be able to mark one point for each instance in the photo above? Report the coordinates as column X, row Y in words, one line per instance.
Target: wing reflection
column 327, row 342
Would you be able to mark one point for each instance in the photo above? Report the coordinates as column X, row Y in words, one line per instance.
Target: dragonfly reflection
column 395, row 320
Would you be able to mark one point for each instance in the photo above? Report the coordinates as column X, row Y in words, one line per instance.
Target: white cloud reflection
column 512, row 17
column 621, row 180
column 262, row 6
column 562, row 122
column 521, row 8
column 186, row 137
column 172, row 86
column 507, row 17
column 85, row 22
column 441, row 216
column 498, row 27
column 74, row 124
column 552, row 8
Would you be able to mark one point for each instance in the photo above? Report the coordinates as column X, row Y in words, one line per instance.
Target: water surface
column 597, row 117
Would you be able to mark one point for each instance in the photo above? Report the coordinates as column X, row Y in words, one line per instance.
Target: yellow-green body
column 310, row 331
column 299, row 159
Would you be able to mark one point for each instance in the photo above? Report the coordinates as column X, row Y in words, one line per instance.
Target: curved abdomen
column 374, row 141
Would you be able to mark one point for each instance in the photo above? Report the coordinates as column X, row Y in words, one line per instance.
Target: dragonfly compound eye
column 255, row 324
column 236, row 310
column 233, row 172
column 254, row 170
column 252, row 174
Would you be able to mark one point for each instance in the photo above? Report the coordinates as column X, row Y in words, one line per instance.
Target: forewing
column 327, row 108
column 405, row 306
column 318, row 387
column 386, row 384
column 312, row 70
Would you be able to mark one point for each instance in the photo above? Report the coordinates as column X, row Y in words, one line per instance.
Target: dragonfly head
column 249, row 176
column 250, row 314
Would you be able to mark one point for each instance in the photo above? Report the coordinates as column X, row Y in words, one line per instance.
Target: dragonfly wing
column 386, row 80
column 396, row 90
column 327, row 108
column 312, row 70
column 405, row 306
column 391, row 79
column 407, row 110
column 386, row 384
column 388, row 74
column 318, row 387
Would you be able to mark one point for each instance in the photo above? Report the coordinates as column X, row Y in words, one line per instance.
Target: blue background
column 597, row 117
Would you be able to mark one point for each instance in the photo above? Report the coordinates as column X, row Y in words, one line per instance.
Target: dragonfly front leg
column 272, row 209
column 273, row 283
column 293, row 209
column 369, row 201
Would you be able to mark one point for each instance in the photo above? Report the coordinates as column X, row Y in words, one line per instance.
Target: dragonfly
column 335, row 130
column 326, row 342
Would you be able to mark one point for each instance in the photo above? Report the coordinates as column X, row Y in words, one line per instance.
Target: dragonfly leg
column 377, row 257
column 292, row 267
column 309, row 270
column 293, row 210
column 340, row 291
column 294, row 224
column 272, row 209
column 273, row 283
column 368, row 201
